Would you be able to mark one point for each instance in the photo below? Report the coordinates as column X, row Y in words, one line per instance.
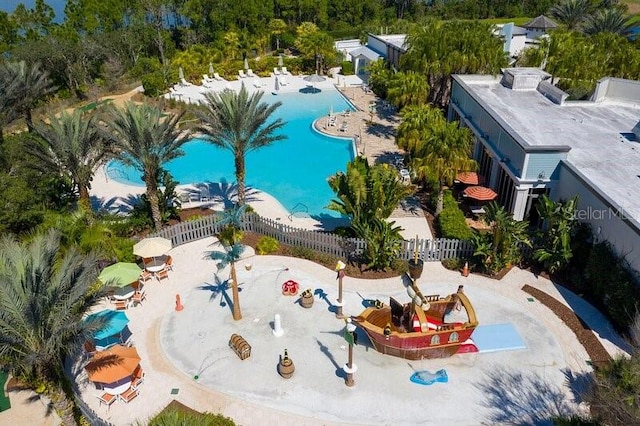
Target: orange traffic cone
column 179, row 306
column 465, row 270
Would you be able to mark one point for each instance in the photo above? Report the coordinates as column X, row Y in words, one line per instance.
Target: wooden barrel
column 306, row 301
column 286, row 368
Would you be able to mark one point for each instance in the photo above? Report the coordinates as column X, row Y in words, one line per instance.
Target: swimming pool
column 294, row 170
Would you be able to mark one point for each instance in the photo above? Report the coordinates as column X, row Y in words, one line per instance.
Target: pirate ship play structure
column 427, row 327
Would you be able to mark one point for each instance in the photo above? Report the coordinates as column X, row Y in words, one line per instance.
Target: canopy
column 314, row 78
column 180, row 73
column 480, row 193
column 151, row 247
column 113, row 365
column 211, row 69
column 469, row 178
column 280, row 61
column 120, row 274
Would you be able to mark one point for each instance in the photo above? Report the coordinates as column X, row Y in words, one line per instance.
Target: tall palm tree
column 72, row 145
column 146, row 140
column 31, row 84
column 572, row 13
column 613, row 20
column 229, row 256
column 239, row 123
column 408, row 88
column 44, row 293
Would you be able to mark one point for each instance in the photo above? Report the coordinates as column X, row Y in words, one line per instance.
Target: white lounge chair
column 257, row 83
column 332, row 121
column 285, row 72
column 217, row 76
column 184, row 82
column 205, row 77
column 242, row 74
column 344, row 126
column 282, row 81
column 276, row 71
column 250, row 73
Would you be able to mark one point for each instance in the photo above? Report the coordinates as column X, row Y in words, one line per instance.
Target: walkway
column 175, row 346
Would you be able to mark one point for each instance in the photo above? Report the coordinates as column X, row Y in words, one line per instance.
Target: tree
column 368, row 195
column 440, row 149
column 407, row 88
column 613, row 20
column 315, row 44
column 229, row 256
column 555, row 249
column 73, row 146
column 146, row 140
column 238, row 122
column 30, row 84
column 572, row 13
column 276, row 28
column 439, row 49
column 45, row 292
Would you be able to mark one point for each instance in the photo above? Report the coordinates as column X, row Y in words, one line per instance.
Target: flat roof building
column 531, row 140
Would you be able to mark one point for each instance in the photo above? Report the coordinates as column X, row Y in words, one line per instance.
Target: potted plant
column 415, row 265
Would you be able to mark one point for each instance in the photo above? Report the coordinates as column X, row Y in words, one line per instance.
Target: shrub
column 347, row 68
column 401, row 266
column 267, row 245
column 453, row 263
column 153, row 84
column 451, row 220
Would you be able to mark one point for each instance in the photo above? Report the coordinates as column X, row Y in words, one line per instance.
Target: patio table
column 156, row 265
column 125, row 296
column 118, row 390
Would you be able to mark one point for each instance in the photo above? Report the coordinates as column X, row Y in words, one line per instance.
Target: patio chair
column 169, row 263
column 250, row 73
column 184, row 82
column 128, row 395
column 217, row 76
column 282, row 81
column 276, row 71
column 138, row 297
column 162, row 274
column 120, row 305
column 145, row 276
column 242, row 74
column 285, row 72
column 204, row 196
column 137, row 377
column 332, row 121
column 107, row 399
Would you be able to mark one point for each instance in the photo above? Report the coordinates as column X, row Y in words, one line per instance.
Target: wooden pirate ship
column 427, row 327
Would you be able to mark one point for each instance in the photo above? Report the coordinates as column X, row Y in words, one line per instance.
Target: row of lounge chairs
column 249, row 73
column 281, row 71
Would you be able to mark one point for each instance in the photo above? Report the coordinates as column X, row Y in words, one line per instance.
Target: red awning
column 480, row 193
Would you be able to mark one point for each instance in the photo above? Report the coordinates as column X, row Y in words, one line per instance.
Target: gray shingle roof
column 541, row 22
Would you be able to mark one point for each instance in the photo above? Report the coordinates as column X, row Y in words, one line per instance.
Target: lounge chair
column 282, row 81
column 332, row 121
column 344, row 126
column 285, row 72
column 257, row 83
column 184, row 82
column 204, row 196
column 242, row 74
column 206, row 78
column 276, row 71
column 250, row 73
column 217, row 76
column 128, row 395
column 137, row 377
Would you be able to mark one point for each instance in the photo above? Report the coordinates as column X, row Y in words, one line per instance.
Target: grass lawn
column 517, row 21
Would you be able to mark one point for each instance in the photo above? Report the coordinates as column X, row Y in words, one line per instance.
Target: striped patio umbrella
column 480, row 193
column 470, row 178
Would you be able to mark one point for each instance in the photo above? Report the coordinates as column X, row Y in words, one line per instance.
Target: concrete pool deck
column 174, row 346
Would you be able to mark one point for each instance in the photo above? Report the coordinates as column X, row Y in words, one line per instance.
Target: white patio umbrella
column 280, row 61
column 211, row 68
column 313, row 79
column 152, row 247
column 277, row 84
column 246, row 64
column 180, row 73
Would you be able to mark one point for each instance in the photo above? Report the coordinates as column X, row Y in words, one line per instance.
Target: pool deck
column 377, row 144
column 483, row 388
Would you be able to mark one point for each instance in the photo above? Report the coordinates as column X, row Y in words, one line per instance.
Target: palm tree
column 44, row 293
column 229, row 256
column 239, row 123
column 31, row 84
column 572, row 13
column 408, row 88
column 146, row 140
column 72, row 145
column 612, row 20
column 8, row 95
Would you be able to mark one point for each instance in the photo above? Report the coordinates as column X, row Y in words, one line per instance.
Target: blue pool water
column 294, row 170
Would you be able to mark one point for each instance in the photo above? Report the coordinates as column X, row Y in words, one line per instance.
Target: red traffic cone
column 465, row 270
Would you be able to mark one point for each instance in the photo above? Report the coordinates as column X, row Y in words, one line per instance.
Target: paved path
column 172, row 349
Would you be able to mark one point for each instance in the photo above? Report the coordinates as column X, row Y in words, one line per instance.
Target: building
column 516, row 38
column 530, row 140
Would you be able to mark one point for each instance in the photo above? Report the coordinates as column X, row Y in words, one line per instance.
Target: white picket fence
column 428, row 250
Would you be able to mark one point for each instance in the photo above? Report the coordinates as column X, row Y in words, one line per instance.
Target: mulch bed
column 598, row 354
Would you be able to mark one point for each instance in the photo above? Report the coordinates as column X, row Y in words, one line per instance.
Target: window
column 435, row 340
column 506, row 190
column 453, row 337
column 485, row 164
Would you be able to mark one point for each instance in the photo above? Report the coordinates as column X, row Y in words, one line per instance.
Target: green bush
column 347, row 68
column 400, row 266
column 267, row 245
column 453, row 263
column 153, row 84
column 451, row 220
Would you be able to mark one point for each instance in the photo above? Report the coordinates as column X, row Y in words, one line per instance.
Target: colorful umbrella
column 151, row 247
column 113, row 364
column 480, row 193
column 470, row 178
column 120, row 274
